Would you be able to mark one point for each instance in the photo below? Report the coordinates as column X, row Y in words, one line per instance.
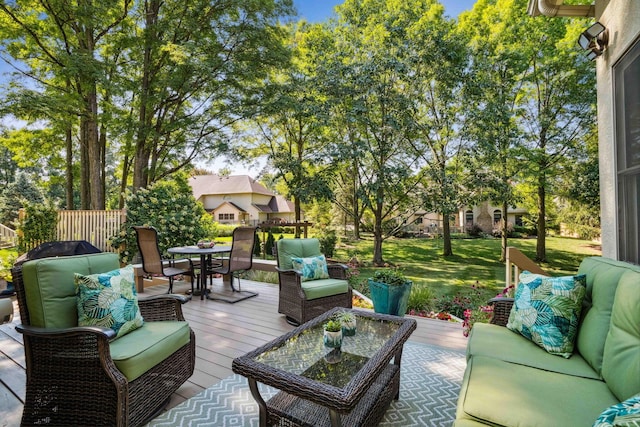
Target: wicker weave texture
column 501, row 310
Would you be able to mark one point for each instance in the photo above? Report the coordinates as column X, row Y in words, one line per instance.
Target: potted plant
column 390, row 291
column 348, row 322
column 5, row 275
column 332, row 333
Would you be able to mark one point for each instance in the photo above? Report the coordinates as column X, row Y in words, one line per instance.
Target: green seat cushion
column 603, row 275
column 109, row 300
column 301, row 248
column 621, row 361
column 324, row 288
column 501, row 393
column 142, row 349
column 311, row 268
column 501, row 343
column 50, row 288
column 546, row 310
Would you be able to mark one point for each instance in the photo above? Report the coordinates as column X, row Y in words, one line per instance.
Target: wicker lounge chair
column 152, row 262
column 299, row 300
column 81, row 375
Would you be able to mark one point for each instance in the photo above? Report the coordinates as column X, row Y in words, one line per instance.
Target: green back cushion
column 301, row 248
column 50, row 289
column 621, row 362
column 602, row 280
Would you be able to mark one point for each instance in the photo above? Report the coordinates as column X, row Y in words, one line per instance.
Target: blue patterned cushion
column 546, row 310
column 311, row 268
column 625, row 414
column 108, row 300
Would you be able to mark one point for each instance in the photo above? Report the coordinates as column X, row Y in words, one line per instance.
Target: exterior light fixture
column 594, row 39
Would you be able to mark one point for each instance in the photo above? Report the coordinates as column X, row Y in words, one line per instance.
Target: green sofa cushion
column 302, row 248
column 142, row 349
column 324, row 287
column 603, row 275
column 501, row 393
column 621, row 362
column 504, row 344
column 50, row 289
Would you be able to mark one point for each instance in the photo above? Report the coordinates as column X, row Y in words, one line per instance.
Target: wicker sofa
column 510, row 381
column 82, row 375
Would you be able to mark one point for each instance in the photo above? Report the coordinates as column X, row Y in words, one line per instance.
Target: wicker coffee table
column 323, row 387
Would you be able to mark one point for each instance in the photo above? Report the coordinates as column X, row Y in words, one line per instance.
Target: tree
column 369, row 58
column 59, row 43
column 198, row 68
column 498, row 67
column 17, row 195
column 557, row 106
column 290, row 125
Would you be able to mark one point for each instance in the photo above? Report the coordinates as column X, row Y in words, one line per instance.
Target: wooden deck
column 223, row 332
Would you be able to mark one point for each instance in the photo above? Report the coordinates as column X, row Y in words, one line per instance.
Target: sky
column 321, row 10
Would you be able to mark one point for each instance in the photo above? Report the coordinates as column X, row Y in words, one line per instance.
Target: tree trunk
column 377, row 229
column 541, row 246
column 85, row 191
column 446, row 236
column 296, row 204
column 504, row 232
column 69, row 167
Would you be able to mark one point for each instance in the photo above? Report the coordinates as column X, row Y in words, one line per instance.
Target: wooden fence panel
column 96, row 227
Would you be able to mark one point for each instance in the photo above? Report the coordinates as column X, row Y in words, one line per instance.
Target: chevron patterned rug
column 430, row 380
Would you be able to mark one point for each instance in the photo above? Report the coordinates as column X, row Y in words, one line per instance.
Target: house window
column 468, row 218
column 226, row 217
column 518, row 221
column 497, row 215
column 627, row 104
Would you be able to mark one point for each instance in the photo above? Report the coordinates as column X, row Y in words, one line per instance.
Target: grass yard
column 474, row 260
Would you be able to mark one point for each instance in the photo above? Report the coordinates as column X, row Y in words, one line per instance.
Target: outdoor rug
column 430, row 380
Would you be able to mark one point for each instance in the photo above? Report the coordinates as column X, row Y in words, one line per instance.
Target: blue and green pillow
column 624, row 414
column 311, row 268
column 108, row 300
column 546, row 311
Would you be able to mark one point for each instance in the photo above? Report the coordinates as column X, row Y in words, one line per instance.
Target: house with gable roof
column 240, row 199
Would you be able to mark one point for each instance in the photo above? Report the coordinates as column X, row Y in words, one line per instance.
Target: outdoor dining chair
column 240, row 260
column 152, row 261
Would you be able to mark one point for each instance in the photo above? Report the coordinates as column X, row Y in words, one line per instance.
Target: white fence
column 8, row 237
column 96, row 227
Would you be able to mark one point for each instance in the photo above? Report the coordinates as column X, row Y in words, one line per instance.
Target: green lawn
column 474, row 260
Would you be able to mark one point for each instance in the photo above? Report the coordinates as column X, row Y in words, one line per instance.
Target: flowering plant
column 170, row 207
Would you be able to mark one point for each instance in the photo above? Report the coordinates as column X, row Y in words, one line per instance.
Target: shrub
column 390, row 276
column 328, row 241
column 168, row 206
column 269, row 244
column 257, row 246
column 38, row 226
column 420, row 299
column 475, row 231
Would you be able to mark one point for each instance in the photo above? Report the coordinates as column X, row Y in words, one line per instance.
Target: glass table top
column 305, row 354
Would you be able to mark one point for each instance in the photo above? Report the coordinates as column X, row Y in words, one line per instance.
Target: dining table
column 204, row 253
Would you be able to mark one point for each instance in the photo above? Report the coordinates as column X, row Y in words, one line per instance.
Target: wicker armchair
column 77, row 375
column 293, row 300
column 501, row 310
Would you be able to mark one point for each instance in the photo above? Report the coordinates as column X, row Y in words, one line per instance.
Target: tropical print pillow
column 624, row 414
column 108, row 300
column 311, row 268
column 546, row 310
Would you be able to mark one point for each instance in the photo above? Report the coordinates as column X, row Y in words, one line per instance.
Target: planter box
column 390, row 299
